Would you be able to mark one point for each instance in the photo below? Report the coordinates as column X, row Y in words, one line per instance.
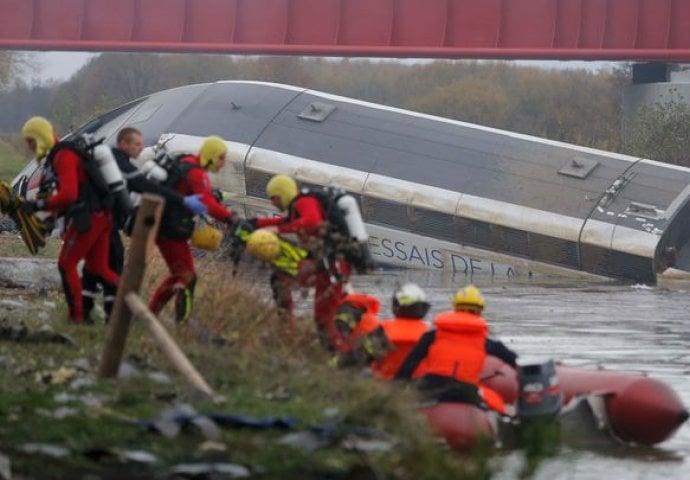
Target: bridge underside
column 509, row 29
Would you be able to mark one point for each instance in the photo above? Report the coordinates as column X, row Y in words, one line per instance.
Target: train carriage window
column 114, row 117
column 434, row 224
column 385, row 212
column 145, row 113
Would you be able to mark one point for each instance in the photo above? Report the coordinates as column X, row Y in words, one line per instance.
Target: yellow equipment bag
column 207, row 237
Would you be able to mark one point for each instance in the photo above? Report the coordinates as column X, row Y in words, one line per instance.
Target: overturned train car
column 436, row 193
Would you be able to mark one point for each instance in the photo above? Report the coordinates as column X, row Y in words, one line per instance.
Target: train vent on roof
column 578, row 167
column 317, row 112
column 644, row 210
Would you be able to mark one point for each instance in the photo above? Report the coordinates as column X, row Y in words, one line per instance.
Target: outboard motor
column 539, row 404
column 540, row 393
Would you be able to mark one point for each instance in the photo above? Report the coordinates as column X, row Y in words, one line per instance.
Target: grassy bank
column 258, row 367
column 12, row 159
column 11, row 245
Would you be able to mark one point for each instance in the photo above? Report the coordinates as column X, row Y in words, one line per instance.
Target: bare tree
column 13, row 64
column 7, row 68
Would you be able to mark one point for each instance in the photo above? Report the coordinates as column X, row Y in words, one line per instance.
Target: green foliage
column 11, row 158
column 660, row 131
column 578, row 107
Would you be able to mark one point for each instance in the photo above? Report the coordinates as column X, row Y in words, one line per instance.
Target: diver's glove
column 194, row 204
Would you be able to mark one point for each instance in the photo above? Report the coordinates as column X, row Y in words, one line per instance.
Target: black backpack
column 173, row 166
column 338, row 238
column 328, row 198
column 177, row 222
column 95, row 194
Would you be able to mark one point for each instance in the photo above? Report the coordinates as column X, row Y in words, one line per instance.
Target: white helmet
column 409, row 293
column 409, row 301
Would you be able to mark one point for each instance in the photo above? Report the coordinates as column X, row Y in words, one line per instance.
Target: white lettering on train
column 417, row 255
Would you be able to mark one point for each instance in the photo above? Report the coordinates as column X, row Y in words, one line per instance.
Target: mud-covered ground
column 280, row 411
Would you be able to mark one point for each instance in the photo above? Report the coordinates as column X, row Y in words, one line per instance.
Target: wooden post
column 145, row 231
column 168, row 345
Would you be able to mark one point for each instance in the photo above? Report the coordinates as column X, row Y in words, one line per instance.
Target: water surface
column 633, row 328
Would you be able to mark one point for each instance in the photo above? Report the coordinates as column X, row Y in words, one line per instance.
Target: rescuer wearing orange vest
column 363, row 338
column 449, row 359
column 403, row 331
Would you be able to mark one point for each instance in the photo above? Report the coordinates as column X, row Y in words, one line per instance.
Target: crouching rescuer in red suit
column 448, row 360
column 328, row 267
column 364, row 341
column 71, row 186
column 177, row 225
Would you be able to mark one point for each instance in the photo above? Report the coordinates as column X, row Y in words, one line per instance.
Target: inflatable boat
column 629, row 408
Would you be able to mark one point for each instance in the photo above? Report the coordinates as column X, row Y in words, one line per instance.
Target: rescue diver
column 68, row 190
column 177, row 226
column 129, row 146
column 304, row 215
column 454, row 352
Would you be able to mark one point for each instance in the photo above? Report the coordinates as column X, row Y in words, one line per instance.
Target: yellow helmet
column 264, row 245
column 212, row 151
column 41, row 131
column 283, row 187
column 207, row 237
column 468, row 298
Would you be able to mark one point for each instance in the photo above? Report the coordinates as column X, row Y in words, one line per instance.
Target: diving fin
column 32, row 230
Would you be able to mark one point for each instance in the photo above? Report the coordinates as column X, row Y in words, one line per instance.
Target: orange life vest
column 368, row 321
column 492, row 399
column 402, row 334
column 459, row 348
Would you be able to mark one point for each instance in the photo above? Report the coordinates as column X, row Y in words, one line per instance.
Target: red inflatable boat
column 634, row 408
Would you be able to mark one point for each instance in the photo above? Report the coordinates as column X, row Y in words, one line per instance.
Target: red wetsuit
column 91, row 245
column 305, row 218
column 175, row 249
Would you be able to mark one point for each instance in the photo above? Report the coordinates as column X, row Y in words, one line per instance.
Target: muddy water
column 621, row 327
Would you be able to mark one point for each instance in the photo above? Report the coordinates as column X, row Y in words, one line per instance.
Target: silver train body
column 435, row 193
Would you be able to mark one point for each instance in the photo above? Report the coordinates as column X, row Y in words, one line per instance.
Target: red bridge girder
column 509, row 29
